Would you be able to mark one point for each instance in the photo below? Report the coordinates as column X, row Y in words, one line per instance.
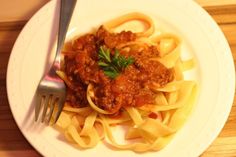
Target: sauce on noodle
column 132, row 87
column 133, row 79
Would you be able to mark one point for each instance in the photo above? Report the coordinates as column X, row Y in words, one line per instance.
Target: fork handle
column 66, row 11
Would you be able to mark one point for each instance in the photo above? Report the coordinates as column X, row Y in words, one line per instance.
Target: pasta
column 153, row 122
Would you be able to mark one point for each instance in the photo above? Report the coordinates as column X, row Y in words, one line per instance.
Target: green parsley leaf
column 111, row 74
column 113, row 66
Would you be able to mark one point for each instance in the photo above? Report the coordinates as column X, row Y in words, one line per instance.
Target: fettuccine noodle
column 87, row 126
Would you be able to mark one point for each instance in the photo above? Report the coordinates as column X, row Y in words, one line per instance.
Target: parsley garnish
column 113, row 65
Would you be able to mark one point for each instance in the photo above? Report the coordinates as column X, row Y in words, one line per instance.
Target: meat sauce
column 132, row 87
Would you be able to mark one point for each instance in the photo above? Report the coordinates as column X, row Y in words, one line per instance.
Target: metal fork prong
column 52, row 106
column 60, row 105
column 39, row 100
column 45, row 107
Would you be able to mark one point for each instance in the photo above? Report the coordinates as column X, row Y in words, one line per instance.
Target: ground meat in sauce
column 131, row 88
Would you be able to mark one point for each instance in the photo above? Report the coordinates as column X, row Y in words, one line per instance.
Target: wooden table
column 12, row 142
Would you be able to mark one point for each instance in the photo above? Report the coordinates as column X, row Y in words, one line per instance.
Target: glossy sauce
column 133, row 85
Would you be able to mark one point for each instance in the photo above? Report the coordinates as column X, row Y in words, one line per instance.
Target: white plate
column 201, row 38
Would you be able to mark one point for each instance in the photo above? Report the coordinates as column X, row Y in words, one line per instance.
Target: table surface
column 12, row 142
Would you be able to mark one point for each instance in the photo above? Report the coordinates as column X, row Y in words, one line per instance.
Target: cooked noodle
column 154, row 124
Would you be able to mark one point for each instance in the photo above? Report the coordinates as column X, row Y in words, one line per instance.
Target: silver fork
column 51, row 91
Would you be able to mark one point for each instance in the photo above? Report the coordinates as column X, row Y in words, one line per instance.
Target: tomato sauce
column 132, row 87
